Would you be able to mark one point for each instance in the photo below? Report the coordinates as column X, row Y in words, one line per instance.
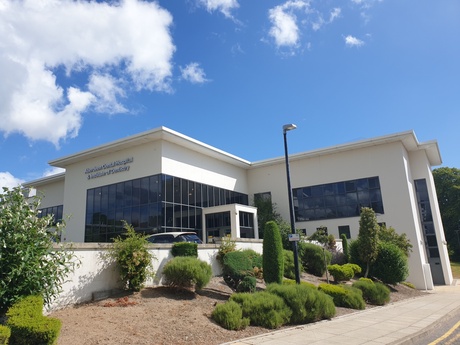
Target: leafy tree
column 320, row 236
column 368, row 237
column 273, row 260
column 447, row 181
column 266, row 211
column 31, row 262
column 389, row 235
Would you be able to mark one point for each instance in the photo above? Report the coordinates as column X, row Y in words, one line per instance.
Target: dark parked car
column 173, row 237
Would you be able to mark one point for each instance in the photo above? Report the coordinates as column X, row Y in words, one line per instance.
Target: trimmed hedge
column 263, row 309
column 307, row 303
column 373, row 293
column 343, row 272
column 186, row 272
column 344, row 296
column 273, row 261
column 185, row 249
column 391, row 265
column 230, row 316
column 29, row 326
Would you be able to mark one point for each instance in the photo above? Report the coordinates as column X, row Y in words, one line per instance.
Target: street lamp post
column 287, row 128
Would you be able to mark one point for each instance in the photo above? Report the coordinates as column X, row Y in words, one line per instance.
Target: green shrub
column 401, row 241
column 289, row 266
column 247, row 284
column 409, row 285
column 263, row 309
column 345, row 248
column 133, row 259
column 29, row 326
column 293, row 282
column 5, row 334
column 30, row 263
column 230, row 316
column 307, row 303
column 353, row 249
column 341, row 272
column 255, row 257
column 185, row 249
column 344, row 296
column 312, row 257
column 186, row 272
column 236, row 266
column 391, row 265
column 273, row 263
column 226, row 246
column 373, row 293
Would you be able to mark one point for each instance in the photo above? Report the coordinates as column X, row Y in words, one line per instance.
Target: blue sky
column 230, row 73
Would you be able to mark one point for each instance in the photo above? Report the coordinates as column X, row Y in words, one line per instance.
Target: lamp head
column 289, row 127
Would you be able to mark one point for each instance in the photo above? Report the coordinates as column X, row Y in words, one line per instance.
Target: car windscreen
column 192, row 238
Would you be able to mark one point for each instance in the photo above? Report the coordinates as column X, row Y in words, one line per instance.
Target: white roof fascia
column 44, row 180
column 408, row 139
column 160, row 133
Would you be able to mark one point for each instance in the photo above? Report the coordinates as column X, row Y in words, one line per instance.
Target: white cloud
column 9, row 181
column 53, row 171
column 353, row 41
column 105, row 88
column 223, row 6
column 284, row 28
column 335, row 13
column 193, row 73
column 130, row 37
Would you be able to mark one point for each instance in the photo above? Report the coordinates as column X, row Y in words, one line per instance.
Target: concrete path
column 392, row 324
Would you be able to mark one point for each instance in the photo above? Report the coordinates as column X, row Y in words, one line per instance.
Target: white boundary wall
column 96, row 274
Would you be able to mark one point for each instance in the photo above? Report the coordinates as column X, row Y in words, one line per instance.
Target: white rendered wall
column 421, row 170
column 96, row 273
column 389, row 162
column 146, row 162
column 52, row 193
column 181, row 162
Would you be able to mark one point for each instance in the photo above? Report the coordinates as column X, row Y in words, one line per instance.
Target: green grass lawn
column 455, row 269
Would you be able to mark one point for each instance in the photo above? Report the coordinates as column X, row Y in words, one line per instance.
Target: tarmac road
column 444, row 332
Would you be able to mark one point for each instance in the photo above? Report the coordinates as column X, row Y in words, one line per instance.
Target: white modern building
column 162, row 180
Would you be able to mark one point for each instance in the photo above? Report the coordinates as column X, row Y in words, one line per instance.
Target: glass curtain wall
column 337, row 200
column 152, row 204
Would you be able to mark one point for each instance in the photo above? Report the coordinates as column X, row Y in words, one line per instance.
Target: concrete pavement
column 395, row 323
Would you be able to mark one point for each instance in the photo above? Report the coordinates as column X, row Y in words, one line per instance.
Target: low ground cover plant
column 230, row 316
column 373, row 292
column 187, row 272
column 263, row 309
column 343, row 272
column 344, row 296
column 306, row 303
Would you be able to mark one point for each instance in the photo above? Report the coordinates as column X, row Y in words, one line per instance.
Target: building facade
column 161, row 181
